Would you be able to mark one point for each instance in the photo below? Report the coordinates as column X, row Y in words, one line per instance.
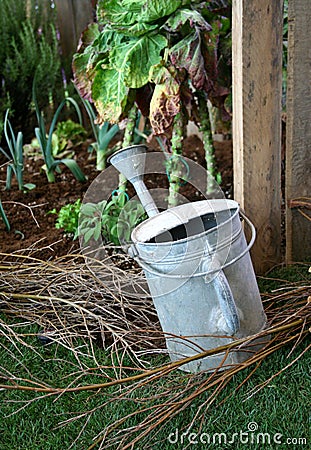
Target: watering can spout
column 130, row 161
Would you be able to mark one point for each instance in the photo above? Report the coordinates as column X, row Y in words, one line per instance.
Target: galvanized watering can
column 199, row 272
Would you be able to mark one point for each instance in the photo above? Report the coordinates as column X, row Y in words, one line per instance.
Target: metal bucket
column 200, row 275
column 197, row 264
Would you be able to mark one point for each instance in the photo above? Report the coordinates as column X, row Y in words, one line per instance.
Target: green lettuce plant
column 67, row 134
column 68, row 217
column 156, row 54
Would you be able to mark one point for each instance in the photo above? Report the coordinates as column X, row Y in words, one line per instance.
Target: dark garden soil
column 33, row 228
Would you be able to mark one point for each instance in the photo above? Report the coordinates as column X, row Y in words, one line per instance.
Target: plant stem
column 100, row 160
column 128, row 140
column 205, row 128
column 174, row 164
column 50, row 175
column 104, row 136
column 4, row 218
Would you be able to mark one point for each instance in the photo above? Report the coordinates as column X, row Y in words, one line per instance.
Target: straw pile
column 71, row 299
column 78, row 298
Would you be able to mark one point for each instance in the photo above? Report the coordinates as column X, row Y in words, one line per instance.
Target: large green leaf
column 135, row 57
column 197, row 51
column 137, row 29
column 129, row 66
column 110, row 95
column 94, row 48
column 165, row 102
column 187, row 54
column 158, row 9
column 72, row 166
column 115, row 12
column 189, row 17
column 124, row 18
column 84, row 61
column 130, row 12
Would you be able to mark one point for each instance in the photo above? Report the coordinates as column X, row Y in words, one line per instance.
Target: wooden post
column 73, row 16
column 298, row 130
column 257, row 88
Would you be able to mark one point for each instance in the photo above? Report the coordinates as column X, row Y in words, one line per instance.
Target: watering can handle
column 219, row 284
column 226, row 302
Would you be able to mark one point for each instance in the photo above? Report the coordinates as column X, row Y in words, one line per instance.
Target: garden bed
column 103, row 346
column 33, row 229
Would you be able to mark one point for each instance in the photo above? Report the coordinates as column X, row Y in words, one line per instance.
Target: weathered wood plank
column 73, row 16
column 257, row 84
column 83, row 15
column 65, row 19
column 298, row 130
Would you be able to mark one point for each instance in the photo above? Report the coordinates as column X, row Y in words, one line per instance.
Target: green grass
column 282, row 276
column 281, row 407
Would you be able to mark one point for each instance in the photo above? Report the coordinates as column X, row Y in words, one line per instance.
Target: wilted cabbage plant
column 161, row 55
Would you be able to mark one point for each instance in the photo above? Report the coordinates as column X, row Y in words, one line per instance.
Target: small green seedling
column 68, row 218
column 113, row 220
column 15, row 156
column 45, row 142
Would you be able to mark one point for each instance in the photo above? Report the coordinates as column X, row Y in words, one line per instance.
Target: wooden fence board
column 65, row 19
column 257, row 86
column 73, row 16
column 298, row 130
